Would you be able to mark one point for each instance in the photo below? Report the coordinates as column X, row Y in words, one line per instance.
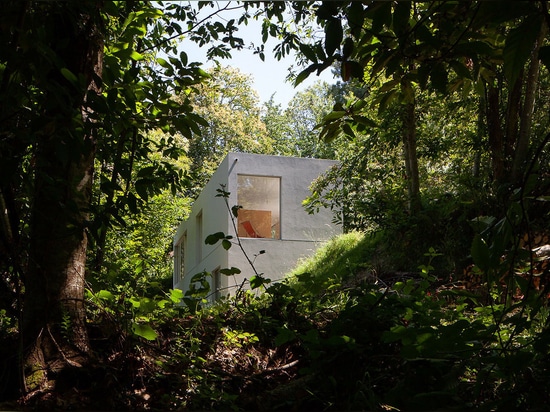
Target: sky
column 269, row 76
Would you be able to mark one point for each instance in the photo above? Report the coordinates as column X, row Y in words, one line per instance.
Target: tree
column 58, row 87
column 76, row 86
column 442, row 47
column 295, row 130
column 305, row 112
column 134, row 252
column 230, row 107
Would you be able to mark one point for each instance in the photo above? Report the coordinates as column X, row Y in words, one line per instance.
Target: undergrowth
column 339, row 333
column 358, row 342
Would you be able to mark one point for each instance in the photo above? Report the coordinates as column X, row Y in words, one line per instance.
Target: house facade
column 274, row 228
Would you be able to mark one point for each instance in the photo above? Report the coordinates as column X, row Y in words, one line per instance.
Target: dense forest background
column 435, row 297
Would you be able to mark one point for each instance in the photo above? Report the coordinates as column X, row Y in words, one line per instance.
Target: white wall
column 214, row 219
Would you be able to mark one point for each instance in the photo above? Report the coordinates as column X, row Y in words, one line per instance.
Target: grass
column 337, row 260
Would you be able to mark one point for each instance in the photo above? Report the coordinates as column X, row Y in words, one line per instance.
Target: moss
column 35, row 376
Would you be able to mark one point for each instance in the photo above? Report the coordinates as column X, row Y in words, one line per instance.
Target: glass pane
column 259, row 197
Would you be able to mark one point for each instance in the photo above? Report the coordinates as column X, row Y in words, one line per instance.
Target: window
column 179, row 255
column 177, row 273
column 259, row 197
column 217, row 283
column 183, row 247
column 199, row 240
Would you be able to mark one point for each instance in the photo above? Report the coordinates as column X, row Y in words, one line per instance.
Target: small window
column 177, row 275
column 199, row 239
column 259, row 198
column 179, row 254
column 217, row 283
column 183, row 248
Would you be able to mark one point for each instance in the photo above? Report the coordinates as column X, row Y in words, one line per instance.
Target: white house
column 271, row 218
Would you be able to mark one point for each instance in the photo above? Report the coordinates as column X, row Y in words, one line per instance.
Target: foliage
column 363, row 342
column 140, row 251
column 230, row 108
column 294, row 130
column 81, row 87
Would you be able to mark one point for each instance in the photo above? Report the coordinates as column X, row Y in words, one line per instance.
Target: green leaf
column 387, row 98
column 439, row 77
column 460, row 69
column 401, row 16
column 135, row 303
column 163, row 63
column 284, row 335
column 131, row 201
column 356, row 17
column 481, row 253
column 214, row 238
column 334, row 115
column 141, row 187
column 230, row 271
column 347, row 50
column 333, row 36
column 134, row 55
column 365, row 121
column 389, row 85
column 69, row 75
column 106, row 295
column 351, row 69
column 339, row 340
column 146, row 171
column 257, row 281
column 226, row 244
column 176, row 295
column 330, row 132
column 146, row 305
column 346, row 128
column 304, row 74
column 309, row 52
column 326, row 10
column 382, row 15
column 519, row 46
column 144, row 330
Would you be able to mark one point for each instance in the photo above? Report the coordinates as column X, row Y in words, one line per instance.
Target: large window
column 259, row 198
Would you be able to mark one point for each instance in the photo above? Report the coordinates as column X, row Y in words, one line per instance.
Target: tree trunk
column 511, row 125
column 477, row 141
column 53, row 329
column 526, row 119
column 409, row 151
column 496, row 135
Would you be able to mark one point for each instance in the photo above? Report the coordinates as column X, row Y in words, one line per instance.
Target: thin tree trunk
column 496, row 135
column 54, row 335
column 511, row 120
column 526, row 120
column 409, row 152
column 476, row 168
